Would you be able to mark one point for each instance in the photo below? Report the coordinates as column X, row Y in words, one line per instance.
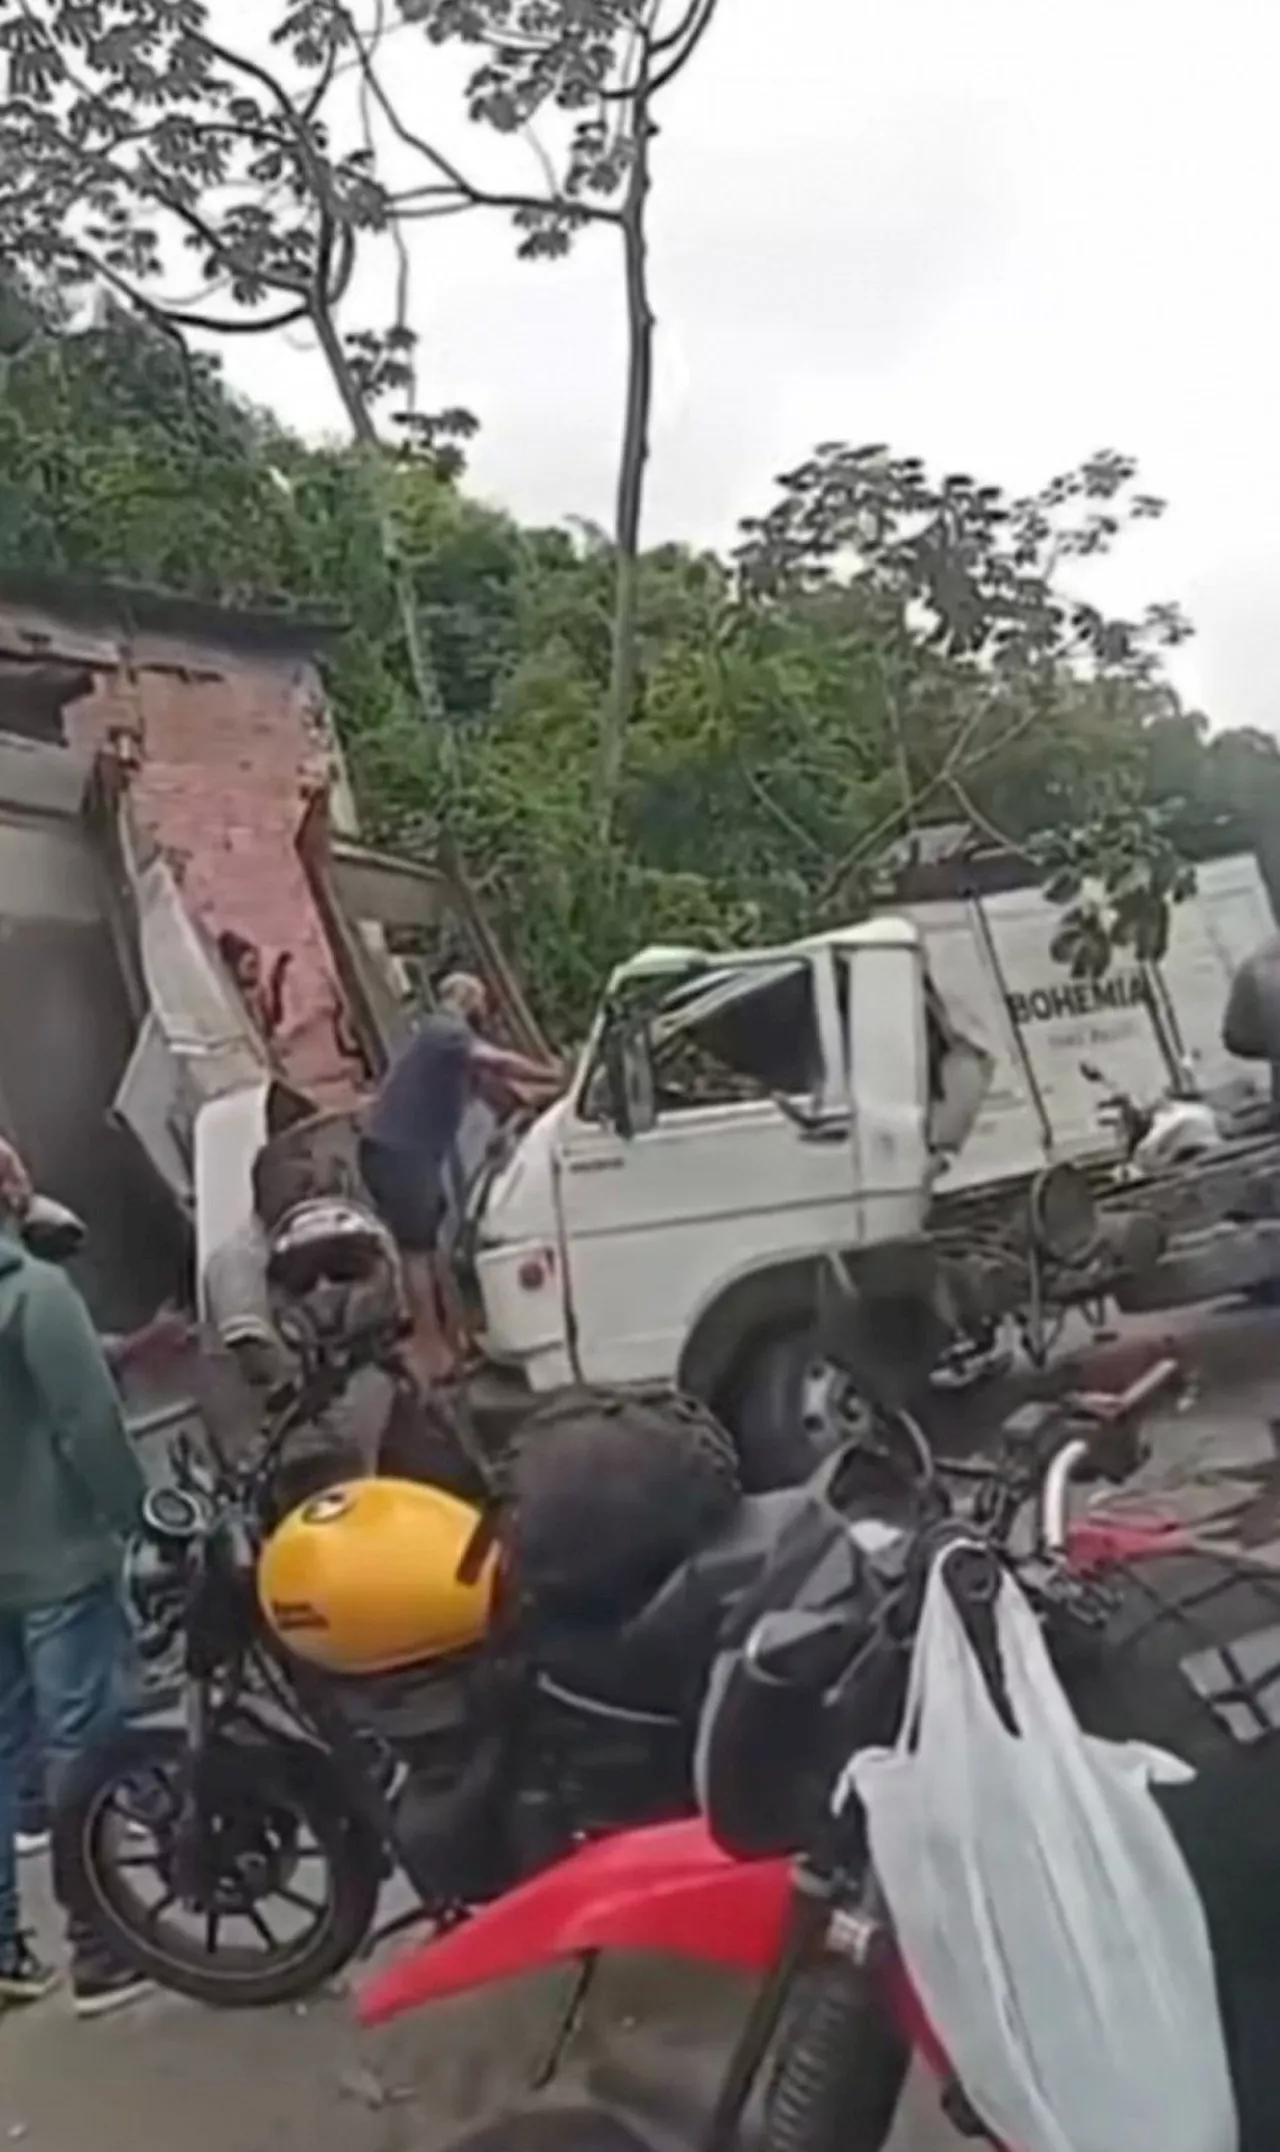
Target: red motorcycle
column 822, row 2058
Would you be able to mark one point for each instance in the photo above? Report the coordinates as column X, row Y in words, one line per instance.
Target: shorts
column 407, row 1191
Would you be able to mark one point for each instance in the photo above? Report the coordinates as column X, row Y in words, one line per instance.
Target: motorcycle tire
column 840, row 2069
column 273, row 1780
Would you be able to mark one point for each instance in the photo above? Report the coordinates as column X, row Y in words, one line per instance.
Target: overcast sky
column 997, row 233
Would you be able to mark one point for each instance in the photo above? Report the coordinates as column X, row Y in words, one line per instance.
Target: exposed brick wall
column 229, row 744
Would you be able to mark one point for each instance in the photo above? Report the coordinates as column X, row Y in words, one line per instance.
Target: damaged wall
column 68, row 1027
column 221, row 718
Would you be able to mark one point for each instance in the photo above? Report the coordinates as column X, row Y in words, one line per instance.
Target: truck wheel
column 787, row 1408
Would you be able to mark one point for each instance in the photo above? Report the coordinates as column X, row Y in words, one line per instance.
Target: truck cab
column 735, row 1124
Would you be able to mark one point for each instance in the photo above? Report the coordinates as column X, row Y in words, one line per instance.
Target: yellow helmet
column 364, row 1578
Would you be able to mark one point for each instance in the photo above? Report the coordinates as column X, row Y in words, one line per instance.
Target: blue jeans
column 63, row 1671
column 33, row 1798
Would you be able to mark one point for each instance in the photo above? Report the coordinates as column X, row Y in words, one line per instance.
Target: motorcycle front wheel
column 840, row 2068
column 277, row 1898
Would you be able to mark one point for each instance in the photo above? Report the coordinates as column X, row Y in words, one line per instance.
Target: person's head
column 15, row 1183
column 464, row 996
column 242, row 958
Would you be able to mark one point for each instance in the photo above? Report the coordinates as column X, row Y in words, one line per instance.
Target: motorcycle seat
column 657, row 1661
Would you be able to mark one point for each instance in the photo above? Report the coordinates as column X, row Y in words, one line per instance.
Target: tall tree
column 230, row 188
column 595, row 70
column 949, row 570
column 205, row 186
column 136, row 145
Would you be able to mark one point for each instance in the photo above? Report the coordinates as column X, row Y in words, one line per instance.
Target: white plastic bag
column 1042, row 1907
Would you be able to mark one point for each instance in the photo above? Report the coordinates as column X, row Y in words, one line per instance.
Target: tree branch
column 176, row 317
column 787, row 824
column 476, row 197
column 985, row 825
column 313, row 102
column 148, row 183
column 553, row 186
column 658, row 46
column 404, row 271
column 429, row 212
column 237, row 63
column 882, row 831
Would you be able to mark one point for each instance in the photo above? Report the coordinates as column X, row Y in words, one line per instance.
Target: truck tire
column 764, row 1407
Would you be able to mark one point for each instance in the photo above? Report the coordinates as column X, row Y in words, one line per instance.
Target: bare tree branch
column 957, row 760
column 677, row 52
column 173, row 318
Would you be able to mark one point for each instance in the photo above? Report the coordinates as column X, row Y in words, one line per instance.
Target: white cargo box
column 992, row 958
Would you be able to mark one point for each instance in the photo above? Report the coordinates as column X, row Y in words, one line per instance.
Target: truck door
column 734, row 1156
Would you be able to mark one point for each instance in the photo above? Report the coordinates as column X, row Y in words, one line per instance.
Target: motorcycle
column 365, row 1687
column 1180, row 1127
column 775, row 1881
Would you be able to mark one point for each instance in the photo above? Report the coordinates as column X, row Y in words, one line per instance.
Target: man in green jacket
column 70, row 1491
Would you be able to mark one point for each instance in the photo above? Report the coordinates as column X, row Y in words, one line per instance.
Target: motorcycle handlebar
column 1110, row 1412
column 1095, row 1430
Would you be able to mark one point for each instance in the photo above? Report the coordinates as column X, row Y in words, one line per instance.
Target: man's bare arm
column 511, row 1067
column 163, row 1338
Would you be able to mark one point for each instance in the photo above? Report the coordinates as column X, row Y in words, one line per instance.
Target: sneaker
column 99, row 1985
column 23, row 1977
column 31, row 1838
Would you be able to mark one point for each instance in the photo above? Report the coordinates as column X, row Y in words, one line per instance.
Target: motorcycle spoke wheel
column 271, row 1893
column 263, row 1896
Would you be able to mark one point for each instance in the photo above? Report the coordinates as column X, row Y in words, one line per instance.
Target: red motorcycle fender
column 665, row 1888
column 1097, row 1542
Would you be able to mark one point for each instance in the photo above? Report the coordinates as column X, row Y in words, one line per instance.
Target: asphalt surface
column 168, row 2076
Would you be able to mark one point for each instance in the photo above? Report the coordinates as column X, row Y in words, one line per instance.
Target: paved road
column 169, row 2077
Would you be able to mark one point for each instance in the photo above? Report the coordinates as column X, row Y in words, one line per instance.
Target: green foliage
column 621, row 744
column 801, row 704
column 134, row 141
column 128, row 133
column 1118, row 879
column 586, row 72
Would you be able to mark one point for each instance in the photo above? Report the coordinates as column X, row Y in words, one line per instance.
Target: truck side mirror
column 628, row 1078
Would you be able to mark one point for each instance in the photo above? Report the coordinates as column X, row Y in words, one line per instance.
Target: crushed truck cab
column 733, row 1123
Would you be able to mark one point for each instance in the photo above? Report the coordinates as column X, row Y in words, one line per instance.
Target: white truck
column 739, row 1124
column 735, row 1126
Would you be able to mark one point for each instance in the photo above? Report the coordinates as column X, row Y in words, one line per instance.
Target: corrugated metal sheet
column 206, row 1031
column 230, row 1131
column 156, row 1106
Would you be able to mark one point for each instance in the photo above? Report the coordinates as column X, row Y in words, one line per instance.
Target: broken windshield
column 719, row 1035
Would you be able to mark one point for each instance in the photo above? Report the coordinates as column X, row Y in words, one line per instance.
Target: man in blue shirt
column 410, row 1138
